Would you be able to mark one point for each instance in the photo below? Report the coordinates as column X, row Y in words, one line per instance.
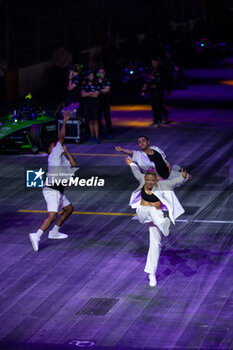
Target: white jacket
column 143, row 160
column 164, row 191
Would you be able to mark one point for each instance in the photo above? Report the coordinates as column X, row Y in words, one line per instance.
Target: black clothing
column 149, row 197
column 159, row 77
column 156, row 97
column 104, row 107
column 160, row 165
column 158, row 81
column 75, row 94
column 104, row 83
column 95, row 86
column 91, row 107
column 91, row 104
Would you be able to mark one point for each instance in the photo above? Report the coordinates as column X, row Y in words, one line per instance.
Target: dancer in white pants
column 152, row 157
column 147, row 200
column 153, row 254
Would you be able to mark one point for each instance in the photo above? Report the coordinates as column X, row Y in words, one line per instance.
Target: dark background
column 31, row 29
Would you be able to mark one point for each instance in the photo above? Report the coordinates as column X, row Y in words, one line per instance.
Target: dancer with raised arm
column 53, row 193
column 148, row 157
column 152, row 157
column 147, row 199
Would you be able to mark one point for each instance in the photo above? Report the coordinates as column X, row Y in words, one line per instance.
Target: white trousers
column 148, row 214
column 154, row 250
column 154, row 218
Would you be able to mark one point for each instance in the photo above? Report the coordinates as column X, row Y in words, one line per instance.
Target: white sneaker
column 57, row 235
column 34, row 241
column 166, row 226
column 154, row 125
column 153, row 281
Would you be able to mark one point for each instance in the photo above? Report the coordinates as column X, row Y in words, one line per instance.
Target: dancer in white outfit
column 150, row 157
column 53, row 194
column 147, row 199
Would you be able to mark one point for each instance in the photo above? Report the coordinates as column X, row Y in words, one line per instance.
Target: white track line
column 208, row 221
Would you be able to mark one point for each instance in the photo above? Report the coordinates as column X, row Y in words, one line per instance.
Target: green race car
column 29, row 129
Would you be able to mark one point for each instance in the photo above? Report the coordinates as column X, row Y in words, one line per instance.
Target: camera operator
column 157, row 81
column 104, row 102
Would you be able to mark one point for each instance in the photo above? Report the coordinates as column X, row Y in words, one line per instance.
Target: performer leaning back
column 54, row 195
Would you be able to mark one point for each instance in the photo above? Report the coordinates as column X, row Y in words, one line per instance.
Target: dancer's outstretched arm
column 136, row 171
column 63, row 128
column 124, row 150
column 175, row 182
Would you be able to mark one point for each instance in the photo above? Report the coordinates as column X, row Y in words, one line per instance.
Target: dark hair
column 90, row 72
column 75, row 68
column 142, row 136
column 47, row 146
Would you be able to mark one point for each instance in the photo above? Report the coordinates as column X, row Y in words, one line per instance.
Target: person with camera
column 156, row 82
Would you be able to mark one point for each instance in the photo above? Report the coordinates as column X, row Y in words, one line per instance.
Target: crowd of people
column 157, row 51
column 92, row 91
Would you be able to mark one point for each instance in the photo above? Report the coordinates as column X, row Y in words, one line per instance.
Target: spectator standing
column 74, row 84
column 104, row 102
column 90, row 93
column 157, row 81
